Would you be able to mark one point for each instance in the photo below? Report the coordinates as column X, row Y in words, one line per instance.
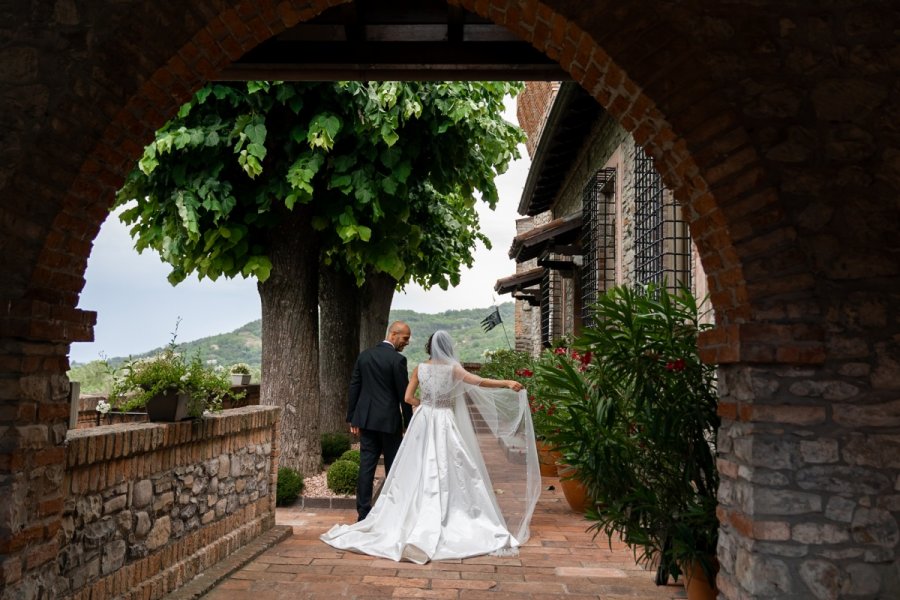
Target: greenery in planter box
column 639, row 425
column 240, row 369
column 137, row 381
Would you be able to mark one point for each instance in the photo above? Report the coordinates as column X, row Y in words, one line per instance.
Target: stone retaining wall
column 148, row 506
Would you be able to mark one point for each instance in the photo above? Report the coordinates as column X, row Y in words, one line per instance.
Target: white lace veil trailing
column 496, row 423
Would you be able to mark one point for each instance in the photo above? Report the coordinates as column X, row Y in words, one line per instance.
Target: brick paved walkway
column 559, row 561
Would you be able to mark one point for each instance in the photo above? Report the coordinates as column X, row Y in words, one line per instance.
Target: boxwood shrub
column 288, row 487
column 342, row 477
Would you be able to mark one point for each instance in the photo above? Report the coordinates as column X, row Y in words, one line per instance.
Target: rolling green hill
column 244, row 344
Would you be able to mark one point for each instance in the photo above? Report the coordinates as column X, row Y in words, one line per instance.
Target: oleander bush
column 635, row 415
column 342, row 476
column 289, row 486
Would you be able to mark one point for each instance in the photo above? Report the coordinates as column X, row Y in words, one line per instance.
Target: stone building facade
column 630, row 229
column 773, row 123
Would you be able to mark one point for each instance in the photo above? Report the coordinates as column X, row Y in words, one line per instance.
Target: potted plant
column 240, row 374
column 639, row 426
column 169, row 387
column 542, row 399
column 519, row 366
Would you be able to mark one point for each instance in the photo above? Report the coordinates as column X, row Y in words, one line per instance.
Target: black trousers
column 372, row 444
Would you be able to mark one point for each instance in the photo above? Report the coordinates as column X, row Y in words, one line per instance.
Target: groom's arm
column 355, row 387
column 401, row 379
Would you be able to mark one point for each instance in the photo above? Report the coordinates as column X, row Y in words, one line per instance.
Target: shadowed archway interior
column 774, row 125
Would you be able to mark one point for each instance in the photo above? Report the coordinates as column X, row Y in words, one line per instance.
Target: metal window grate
column 662, row 242
column 598, row 238
column 551, row 325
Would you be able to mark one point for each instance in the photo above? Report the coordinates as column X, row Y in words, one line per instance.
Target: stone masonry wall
column 148, row 506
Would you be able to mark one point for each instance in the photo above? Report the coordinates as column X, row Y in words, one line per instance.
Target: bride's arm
column 473, row 379
column 410, row 397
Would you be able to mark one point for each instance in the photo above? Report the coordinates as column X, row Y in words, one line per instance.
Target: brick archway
column 803, row 283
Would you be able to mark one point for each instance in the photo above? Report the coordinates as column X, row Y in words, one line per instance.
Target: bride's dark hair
column 428, row 345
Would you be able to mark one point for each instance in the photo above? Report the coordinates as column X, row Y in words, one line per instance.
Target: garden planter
column 574, row 491
column 696, row 583
column 240, row 379
column 170, row 406
column 547, row 459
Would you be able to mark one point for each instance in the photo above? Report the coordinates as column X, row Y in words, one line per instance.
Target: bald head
column 398, row 334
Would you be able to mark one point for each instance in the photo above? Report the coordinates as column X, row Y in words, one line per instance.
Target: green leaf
column 257, row 150
column 256, row 133
column 322, row 131
column 389, row 185
column 389, row 134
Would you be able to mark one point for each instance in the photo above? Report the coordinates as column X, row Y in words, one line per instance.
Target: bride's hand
column 514, row 385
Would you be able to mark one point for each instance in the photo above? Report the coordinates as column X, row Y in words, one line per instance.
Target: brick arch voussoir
column 234, row 30
column 592, row 67
column 58, row 275
column 713, row 169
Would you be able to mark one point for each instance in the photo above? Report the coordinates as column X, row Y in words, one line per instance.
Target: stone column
column 809, row 457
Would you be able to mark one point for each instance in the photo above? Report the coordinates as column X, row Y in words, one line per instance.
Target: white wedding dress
column 455, row 490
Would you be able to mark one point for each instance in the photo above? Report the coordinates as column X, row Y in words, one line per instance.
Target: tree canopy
column 390, row 172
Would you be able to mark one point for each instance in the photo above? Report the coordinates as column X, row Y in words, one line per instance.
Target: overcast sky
column 137, row 308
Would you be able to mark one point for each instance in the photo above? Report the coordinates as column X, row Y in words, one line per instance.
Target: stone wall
column 148, row 506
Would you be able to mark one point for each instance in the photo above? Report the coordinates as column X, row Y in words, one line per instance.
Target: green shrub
column 288, row 487
column 333, row 445
column 351, row 455
column 635, row 415
column 342, row 477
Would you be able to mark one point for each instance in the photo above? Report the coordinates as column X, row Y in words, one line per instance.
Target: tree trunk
column 290, row 348
column 376, row 297
column 338, row 345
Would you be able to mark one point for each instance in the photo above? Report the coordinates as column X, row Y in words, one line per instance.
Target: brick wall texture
column 775, row 125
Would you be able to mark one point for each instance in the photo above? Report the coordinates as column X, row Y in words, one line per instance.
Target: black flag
column 492, row 320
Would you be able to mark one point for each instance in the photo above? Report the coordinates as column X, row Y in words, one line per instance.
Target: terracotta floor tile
column 562, row 560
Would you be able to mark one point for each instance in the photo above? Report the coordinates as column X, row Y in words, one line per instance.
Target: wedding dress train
column 455, row 490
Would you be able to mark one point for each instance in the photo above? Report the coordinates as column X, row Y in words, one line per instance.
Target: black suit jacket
column 377, row 388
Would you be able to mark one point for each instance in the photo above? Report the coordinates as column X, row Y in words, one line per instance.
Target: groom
column 377, row 412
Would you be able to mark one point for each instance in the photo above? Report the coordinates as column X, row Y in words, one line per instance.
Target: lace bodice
column 436, row 383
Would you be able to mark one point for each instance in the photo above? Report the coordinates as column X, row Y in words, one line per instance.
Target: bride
column 465, row 480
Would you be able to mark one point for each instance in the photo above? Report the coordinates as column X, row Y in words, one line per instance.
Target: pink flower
column 560, row 351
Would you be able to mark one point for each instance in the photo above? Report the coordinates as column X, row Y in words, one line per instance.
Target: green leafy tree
column 285, row 182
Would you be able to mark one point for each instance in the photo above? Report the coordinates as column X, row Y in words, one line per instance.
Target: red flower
column 575, row 355
column 586, row 358
column 560, row 351
column 676, row 365
column 524, row 372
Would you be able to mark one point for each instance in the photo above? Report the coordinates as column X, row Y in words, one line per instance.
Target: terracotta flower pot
column 574, row 491
column 696, row 584
column 547, row 458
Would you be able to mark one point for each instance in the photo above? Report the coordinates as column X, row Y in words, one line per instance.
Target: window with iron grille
column 551, row 298
column 662, row 243
column 598, row 238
